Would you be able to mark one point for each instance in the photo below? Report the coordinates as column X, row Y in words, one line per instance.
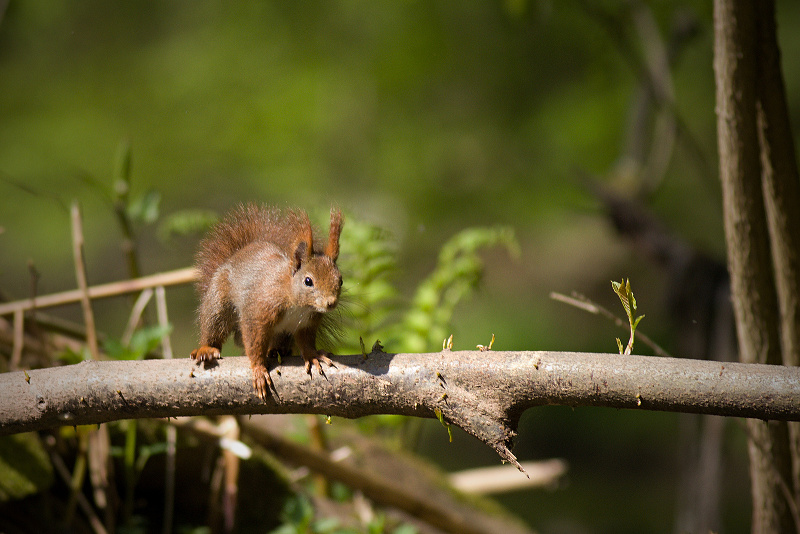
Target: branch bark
column 482, row 392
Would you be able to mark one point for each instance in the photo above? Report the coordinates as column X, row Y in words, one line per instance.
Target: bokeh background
column 422, row 118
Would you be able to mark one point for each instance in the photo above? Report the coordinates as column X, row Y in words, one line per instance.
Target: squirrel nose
column 324, row 304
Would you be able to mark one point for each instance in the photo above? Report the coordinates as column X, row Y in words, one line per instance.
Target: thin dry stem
column 136, row 314
column 83, row 286
column 83, row 502
column 169, row 278
column 19, row 339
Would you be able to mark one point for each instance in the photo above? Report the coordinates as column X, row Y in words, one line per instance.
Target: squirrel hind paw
column 262, row 382
column 206, row 354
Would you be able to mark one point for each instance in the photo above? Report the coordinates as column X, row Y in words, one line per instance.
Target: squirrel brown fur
column 262, row 277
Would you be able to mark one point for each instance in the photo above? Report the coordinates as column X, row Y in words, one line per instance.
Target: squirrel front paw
column 206, row 354
column 320, row 356
column 262, row 382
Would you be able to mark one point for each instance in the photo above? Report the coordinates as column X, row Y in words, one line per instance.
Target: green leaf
column 142, row 342
column 145, row 208
column 326, row 524
column 185, row 222
column 147, row 339
column 625, row 294
column 377, row 525
column 69, row 356
column 122, row 168
column 25, row 467
column 622, row 290
column 297, row 515
column 116, row 350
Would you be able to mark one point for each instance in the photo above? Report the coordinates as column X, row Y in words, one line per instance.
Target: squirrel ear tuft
column 337, row 221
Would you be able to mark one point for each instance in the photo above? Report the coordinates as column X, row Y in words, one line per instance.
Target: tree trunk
column 781, row 182
column 739, row 79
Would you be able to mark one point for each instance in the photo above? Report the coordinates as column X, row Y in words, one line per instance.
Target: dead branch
column 416, row 497
column 484, row 393
column 83, row 284
column 113, row 289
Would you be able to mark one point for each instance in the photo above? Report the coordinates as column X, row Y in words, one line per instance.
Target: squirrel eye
column 308, row 281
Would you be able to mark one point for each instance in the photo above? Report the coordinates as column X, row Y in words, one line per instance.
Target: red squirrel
column 261, row 277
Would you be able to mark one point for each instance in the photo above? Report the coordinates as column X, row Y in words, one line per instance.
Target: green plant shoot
column 625, row 294
column 445, row 424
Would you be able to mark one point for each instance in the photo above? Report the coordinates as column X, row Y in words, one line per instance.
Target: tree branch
column 484, row 393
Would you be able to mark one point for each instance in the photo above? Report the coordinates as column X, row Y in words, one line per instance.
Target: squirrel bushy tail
column 247, row 224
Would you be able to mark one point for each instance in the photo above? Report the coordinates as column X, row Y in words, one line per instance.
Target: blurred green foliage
column 373, row 307
column 142, row 342
column 24, row 466
column 419, row 118
column 455, row 277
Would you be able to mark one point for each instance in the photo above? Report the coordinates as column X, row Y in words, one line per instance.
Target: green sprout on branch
column 625, row 294
column 440, row 417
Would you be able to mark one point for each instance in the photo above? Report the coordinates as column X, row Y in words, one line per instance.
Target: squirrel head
column 316, row 280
